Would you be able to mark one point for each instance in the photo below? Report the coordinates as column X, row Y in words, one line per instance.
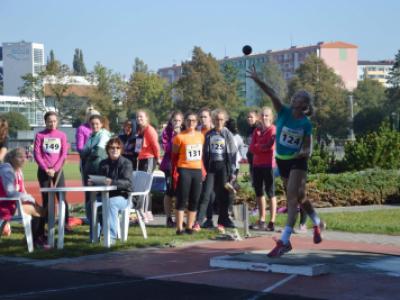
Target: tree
column 146, row 90
column 369, row 94
column 109, row 95
column 78, row 63
column 202, row 83
column 232, row 99
column 16, row 121
column 272, row 74
column 330, row 97
column 393, row 92
column 370, row 106
column 53, row 65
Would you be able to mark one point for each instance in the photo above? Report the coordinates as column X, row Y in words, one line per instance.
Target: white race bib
column 193, row 152
column 291, row 138
column 52, row 145
column 138, row 145
column 217, row 144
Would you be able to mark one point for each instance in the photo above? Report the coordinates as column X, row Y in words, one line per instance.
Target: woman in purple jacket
column 173, row 128
column 50, row 151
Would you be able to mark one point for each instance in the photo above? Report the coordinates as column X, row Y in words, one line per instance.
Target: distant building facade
column 376, row 70
column 340, row 56
column 19, row 59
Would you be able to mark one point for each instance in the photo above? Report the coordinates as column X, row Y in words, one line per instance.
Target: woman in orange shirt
column 147, row 145
column 187, row 151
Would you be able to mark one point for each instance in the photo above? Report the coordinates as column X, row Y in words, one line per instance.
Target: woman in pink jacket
column 50, row 151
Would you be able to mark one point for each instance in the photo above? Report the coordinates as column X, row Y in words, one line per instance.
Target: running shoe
column 170, row 223
column 221, row 228
column 196, row 227
column 208, row 224
column 189, row 231
column 259, row 225
column 41, row 243
column 5, row 229
column 270, row 226
column 280, row 249
column 180, row 232
column 317, row 229
column 302, row 228
column 228, row 223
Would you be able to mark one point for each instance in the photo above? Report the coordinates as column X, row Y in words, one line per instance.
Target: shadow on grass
column 77, row 243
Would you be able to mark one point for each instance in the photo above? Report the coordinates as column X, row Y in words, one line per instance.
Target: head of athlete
column 302, row 103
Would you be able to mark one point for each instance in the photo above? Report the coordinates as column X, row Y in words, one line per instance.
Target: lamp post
column 351, row 118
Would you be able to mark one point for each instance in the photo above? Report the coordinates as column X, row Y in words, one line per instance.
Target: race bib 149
column 52, row 145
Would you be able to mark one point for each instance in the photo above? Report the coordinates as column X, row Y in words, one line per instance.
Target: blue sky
column 164, row 32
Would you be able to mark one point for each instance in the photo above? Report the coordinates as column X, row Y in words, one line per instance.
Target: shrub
column 372, row 186
column 377, row 149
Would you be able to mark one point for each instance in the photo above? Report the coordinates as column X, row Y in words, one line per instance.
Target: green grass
column 77, row 244
column 385, row 221
column 71, row 171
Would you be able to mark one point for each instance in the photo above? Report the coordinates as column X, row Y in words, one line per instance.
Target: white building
column 27, row 107
column 376, row 70
column 19, row 59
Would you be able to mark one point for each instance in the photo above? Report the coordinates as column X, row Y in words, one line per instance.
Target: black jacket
column 120, row 172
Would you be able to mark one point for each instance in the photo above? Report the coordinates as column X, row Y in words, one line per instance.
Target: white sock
column 287, row 231
column 315, row 219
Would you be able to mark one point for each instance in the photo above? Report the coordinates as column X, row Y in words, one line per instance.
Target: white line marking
column 279, row 283
column 272, row 287
column 183, row 274
column 79, row 287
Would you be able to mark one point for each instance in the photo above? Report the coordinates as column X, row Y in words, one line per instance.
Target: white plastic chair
column 142, row 182
column 26, row 220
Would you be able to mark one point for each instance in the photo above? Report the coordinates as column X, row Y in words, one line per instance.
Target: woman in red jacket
column 147, row 145
column 262, row 147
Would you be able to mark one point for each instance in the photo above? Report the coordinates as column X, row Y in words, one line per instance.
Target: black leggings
column 147, row 165
column 189, row 189
column 215, row 181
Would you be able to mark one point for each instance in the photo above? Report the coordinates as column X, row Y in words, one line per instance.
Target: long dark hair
column 3, row 129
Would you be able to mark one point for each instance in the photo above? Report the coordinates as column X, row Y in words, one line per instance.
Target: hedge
column 372, row 186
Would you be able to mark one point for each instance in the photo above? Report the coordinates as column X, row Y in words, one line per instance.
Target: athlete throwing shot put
column 293, row 149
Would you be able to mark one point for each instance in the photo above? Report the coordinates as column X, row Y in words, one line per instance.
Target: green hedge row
column 372, row 186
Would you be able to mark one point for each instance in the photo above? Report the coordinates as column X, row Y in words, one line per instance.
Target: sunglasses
column 115, row 148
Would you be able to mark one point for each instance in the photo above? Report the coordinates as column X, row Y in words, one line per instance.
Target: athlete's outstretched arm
column 265, row 87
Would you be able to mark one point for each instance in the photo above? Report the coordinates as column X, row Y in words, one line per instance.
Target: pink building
column 343, row 59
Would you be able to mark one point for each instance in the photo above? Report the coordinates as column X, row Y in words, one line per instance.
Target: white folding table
column 61, row 211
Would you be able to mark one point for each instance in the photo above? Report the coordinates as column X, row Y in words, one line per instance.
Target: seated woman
column 118, row 172
column 12, row 185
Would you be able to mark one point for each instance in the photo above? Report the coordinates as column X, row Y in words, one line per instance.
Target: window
column 38, row 56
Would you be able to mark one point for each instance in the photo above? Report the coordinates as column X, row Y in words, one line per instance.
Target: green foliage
column 393, row 93
column 320, row 160
column 109, row 95
column 371, row 186
column 376, row 149
column 330, row 97
column 369, row 94
column 53, row 66
column 78, row 64
column 147, row 90
column 233, row 101
column 203, row 85
column 16, row 121
column 367, row 120
column 272, row 75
